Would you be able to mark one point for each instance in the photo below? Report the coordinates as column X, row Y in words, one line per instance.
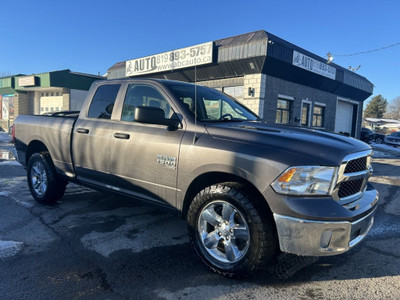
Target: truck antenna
column 195, row 103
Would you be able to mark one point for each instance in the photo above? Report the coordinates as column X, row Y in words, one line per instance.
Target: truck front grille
column 353, row 176
column 356, row 165
column 349, row 188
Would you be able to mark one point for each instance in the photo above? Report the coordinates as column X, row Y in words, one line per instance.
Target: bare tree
column 4, row 73
column 393, row 111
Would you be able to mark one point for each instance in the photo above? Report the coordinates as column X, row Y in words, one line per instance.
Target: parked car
column 393, row 138
column 379, row 138
column 367, row 136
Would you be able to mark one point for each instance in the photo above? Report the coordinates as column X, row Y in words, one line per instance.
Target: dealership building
column 279, row 81
column 42, row 93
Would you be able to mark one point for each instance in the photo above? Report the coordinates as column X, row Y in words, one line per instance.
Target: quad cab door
column 144, row 157
column 92, row 135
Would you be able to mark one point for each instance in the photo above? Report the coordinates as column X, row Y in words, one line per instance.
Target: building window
column 305, row 114
column 283, row 111
column 234, row 91
column 318, row 116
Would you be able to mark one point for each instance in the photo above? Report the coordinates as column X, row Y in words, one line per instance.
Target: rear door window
column 103, row 101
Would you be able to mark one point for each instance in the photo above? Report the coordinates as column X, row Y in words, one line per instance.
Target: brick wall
column 256, row 84
column 66, row 97
column 276, row 87
column 24, row 104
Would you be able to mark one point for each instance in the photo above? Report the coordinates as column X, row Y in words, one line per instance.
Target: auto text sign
column 26, row 81
column 313, row 65
column 171, row 60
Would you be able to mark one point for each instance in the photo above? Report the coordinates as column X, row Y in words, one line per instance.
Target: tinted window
column 211, row 105
column 103, row 101
column 143, row 95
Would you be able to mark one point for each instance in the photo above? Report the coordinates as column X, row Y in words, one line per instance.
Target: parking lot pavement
column 92, row 245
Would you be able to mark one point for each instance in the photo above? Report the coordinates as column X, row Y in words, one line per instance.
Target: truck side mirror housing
column 154, row 115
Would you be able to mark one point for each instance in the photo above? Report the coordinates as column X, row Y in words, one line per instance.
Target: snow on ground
column 10, row 163
column 9, row 248
column 385, row 147
column 384, row 150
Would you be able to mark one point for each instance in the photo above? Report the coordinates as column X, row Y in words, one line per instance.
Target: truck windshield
column 212, row 105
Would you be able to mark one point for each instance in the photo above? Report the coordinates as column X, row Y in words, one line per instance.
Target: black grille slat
column 353, row 177
column 356, row 165
column 349, row 188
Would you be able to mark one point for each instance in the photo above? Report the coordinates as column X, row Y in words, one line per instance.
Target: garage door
column 51, row 104
column 344, row 117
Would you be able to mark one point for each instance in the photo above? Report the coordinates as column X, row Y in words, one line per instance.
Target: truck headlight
column 306, row 180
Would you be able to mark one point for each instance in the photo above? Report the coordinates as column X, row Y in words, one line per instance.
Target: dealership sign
column 26, row 81
column 313, row 65
column 172, row 60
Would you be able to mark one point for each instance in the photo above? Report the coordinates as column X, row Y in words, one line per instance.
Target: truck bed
column 54, row 131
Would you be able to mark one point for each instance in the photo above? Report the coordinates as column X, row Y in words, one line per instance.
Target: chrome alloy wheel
column 223, row 232
column 39, row 178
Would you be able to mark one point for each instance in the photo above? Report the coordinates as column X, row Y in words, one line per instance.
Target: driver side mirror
column 154, row 115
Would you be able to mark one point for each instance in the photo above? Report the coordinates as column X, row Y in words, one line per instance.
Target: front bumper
column 317, row 238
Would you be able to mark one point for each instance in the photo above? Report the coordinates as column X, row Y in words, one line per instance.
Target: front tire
column 44, row 183
column 379, row 140
column 228, row 232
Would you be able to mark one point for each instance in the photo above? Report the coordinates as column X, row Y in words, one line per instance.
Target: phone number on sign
column 184, row 53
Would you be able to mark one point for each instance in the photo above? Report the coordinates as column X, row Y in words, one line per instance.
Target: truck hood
column 320, row 147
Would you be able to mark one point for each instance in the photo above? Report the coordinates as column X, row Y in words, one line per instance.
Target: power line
column 368, row 51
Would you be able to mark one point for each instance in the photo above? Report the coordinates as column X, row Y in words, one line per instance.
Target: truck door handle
column 123, row 136
column 82, row 130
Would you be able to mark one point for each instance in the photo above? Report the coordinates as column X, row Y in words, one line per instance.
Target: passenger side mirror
column 154, row 115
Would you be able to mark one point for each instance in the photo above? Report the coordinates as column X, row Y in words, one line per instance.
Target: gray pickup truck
column 248, row 190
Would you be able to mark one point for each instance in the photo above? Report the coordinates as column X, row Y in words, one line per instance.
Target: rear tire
column 379, row 140
column 44, row 183
column 228, row 232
